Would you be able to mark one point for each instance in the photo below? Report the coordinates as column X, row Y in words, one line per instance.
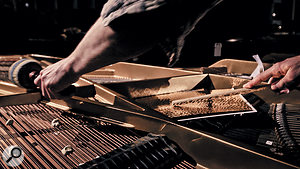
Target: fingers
column 289, row 82
column 276, row 86
column 43, row 84
column 37, row 81
column 55, row 78
column 258, row 79
column 276, row 71
column 282, row 78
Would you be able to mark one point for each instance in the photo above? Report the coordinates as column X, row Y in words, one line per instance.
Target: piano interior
column 132, row 121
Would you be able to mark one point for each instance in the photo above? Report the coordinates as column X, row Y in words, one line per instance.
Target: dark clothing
column 171, row 20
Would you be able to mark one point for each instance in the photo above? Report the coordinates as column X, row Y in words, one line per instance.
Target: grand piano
column 132, row 120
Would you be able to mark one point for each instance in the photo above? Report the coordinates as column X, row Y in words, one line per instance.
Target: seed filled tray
column 160, row 94
column 185, row 111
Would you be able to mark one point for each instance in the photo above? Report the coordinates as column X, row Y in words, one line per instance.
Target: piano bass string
column 53, row 138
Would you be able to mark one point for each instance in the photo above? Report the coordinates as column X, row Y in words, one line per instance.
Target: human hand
column 283, row 76
column 55, row 78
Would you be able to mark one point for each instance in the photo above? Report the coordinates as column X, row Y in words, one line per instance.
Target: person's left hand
column 283, row 76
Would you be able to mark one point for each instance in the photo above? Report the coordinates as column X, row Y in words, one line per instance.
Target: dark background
column 54, row 27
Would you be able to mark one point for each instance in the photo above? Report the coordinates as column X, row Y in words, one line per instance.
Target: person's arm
column 101, row 46
column 284, row 76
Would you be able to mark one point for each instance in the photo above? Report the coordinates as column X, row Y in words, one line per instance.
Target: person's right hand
column 55, row 78
column 283, row 76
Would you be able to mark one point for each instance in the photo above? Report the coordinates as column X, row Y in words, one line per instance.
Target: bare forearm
column 103, row 46
column 100, row 47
